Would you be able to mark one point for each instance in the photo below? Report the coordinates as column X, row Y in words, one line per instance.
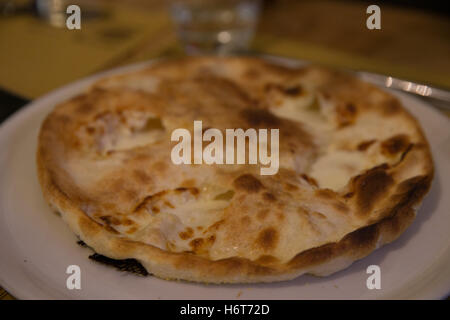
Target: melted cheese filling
column 338, row 160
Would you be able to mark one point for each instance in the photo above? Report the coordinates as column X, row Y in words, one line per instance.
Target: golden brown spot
column 280, row 216
column 144, row 201
column 110, row 220
column 132, row 230
column 141, row 157
column 127, row 222
column 269, row 196
column 141, row 176
column 168, row 204
column 83, row 108
column 129, row 194
column 155, row 209
column 196, row 244
column 211, row 239
column 290, row 187
column 293, row 91
column 214, row 226
column 111, row 229
column 186, row 234
column 364, row 237
column 160, row 166
column 267, row 239
column 408, row 149
column 310, row 180
column 363, row 146
column 348, row 195
column 262, row 214
column 340, row 206
column 394, row 145
column 281, row 205
column 346, row 114
column 241, row 198
column 248, row 183
column 76, row 144
column 246, row 220
column 154, row 124
column 408, row 184
column 270, row 86
column 370, row 187
column 302, row 211
column 391, row 106
column 411, row 191
column 226, row 196
column 189, row 183
column 257, row 118
column 194, row 191
column 326, row 193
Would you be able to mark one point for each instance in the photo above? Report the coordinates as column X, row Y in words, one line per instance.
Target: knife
column 440, row 97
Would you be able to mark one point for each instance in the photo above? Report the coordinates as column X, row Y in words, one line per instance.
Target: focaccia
column 354, row 166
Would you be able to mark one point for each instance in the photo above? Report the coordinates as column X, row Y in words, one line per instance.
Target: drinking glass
column 215, row 26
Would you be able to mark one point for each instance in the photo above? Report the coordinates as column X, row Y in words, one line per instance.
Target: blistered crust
column 381, row 200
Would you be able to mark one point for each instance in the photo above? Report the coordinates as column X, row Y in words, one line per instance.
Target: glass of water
column 215, row 26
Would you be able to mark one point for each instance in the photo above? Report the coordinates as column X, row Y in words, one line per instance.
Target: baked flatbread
column 354, row 167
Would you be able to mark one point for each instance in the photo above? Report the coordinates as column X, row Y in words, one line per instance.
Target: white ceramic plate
column 36, row 246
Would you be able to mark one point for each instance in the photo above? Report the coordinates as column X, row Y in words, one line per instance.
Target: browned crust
column 398, row 215
column 355, row 245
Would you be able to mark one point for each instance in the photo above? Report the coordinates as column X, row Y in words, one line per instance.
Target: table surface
column 36, row 58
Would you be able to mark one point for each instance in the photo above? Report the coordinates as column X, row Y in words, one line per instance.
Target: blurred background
column 38, row 53
column 37, row 56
